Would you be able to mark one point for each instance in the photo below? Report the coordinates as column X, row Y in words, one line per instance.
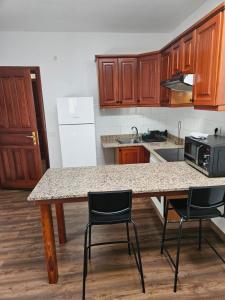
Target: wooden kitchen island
column 59, row 186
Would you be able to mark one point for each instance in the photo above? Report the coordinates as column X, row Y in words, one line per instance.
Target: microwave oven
column 207, row 156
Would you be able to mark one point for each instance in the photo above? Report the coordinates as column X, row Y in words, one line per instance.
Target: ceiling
column 95, row 15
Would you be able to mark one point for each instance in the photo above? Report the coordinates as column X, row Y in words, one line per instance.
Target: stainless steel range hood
column 179, row 82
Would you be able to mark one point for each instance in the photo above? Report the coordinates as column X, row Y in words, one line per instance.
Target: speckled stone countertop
column 110, row 141
column 141, row 178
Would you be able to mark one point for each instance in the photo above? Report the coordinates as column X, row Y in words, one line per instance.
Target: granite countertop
column 110, row 141
column 141, row 178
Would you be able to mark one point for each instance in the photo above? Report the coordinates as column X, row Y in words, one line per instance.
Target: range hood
column 179, row 82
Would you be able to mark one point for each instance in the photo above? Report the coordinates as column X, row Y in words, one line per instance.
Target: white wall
column 68, row 69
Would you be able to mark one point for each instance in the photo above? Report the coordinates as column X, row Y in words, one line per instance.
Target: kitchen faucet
column 137, row 134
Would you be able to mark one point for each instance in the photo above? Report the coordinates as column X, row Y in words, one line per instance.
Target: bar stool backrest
column 206, row 197
column 115, row 203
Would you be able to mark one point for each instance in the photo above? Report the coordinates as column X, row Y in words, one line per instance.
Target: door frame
column 36, row 71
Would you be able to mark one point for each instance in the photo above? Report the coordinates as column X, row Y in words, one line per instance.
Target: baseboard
column 217, row 230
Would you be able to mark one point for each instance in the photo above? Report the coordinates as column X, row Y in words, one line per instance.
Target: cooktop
column 172, row 154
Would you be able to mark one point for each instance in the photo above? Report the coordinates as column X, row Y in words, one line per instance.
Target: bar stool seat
column 202, row 203
column 180, row 206
column 111, row 208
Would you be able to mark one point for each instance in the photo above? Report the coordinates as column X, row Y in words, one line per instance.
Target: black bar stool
column 202, row 203
column 111, row 208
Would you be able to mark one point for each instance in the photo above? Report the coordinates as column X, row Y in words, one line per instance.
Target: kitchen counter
column 110, row 141
column 160, row 178
column 58, row 186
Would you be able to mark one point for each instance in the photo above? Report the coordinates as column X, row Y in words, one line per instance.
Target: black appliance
column 207, row 156
column 172, row 154
column 154, row 136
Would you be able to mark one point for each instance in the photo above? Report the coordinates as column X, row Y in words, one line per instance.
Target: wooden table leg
column 60, row 223
column 49, row 242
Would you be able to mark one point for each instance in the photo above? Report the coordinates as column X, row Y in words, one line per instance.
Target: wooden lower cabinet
column 132, row 155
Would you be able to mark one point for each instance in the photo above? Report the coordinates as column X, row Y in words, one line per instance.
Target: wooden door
column 207, row 61
column 149, row 80
column 176, row 58
column 108, row 81
column 188, row 53
column 20, row 160
column 128, row 81
column 166, row 61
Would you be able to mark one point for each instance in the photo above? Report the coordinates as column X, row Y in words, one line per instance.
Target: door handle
column 33, row 137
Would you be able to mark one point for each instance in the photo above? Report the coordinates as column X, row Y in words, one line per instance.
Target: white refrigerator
column 77, row 131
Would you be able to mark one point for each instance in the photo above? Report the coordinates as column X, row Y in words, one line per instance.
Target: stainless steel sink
column 128, row 141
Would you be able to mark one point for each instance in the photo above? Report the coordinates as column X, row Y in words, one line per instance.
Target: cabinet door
column 165, row 75
column 188, row 53
column 108, row 81
column 144, row 155
column 128, row 81
column 129, row 155
column 149, row 80
column 176, row 58
column 207, row 58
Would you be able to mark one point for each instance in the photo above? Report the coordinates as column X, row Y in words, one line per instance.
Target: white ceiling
column 95, row 15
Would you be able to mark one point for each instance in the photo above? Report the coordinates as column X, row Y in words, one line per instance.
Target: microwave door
column 191, row 150
column 199, row 156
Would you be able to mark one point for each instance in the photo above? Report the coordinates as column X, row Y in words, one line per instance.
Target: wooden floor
column 112, row 273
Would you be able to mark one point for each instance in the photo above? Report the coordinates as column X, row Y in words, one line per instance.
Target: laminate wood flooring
column 112, row 273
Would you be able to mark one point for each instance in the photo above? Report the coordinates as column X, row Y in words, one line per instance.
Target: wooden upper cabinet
column 188, row 53
column 176, row 58
column 128, row 80
column 149, row 80
column 207, row 61
column 108, row 81
column 166, row 60
column 134, row 80
column 166, row 64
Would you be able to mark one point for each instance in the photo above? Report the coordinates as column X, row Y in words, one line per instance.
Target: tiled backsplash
column 121, row 121
column 192, row 120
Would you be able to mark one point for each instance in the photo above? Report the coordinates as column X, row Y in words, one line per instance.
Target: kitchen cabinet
column 128, row 80
column 166, row 63
column 132, row 155
column 117, row 81
column 149, row 80
column 134, row 80
column 188, row 53
column 108, row 81
column 176, row 66
column 209, row 89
